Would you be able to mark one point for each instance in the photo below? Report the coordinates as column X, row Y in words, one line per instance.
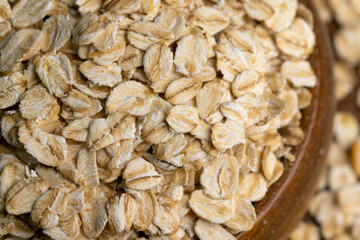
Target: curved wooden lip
column 287, row 199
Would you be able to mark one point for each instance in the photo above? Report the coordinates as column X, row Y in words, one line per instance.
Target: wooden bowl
column 287, row 200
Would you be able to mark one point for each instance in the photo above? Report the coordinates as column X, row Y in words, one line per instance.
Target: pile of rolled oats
column 334, row 213
column 132, row 119
column 345, row 39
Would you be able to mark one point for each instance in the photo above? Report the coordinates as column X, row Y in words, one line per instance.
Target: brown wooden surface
column 287, row 200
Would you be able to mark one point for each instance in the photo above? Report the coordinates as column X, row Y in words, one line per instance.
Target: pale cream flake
column 90, row 27
column 346, row 44
column 221, row 178
column 345, row 129
column 121, row 212
column 238, row 51
column 150, row 8
column 48, row 149
column 202, row 131
column 21, row 46
column 5, row 10
column 307, row 231
column 304, row 98
column 55, row 72
column 120, row 156
column 253, row 187
column 292, row 136
column 69, row 229
column 249, row 81
column 284, row 14
column 183, row 118
column 145, row 210
column 5, row 28
column 179, row 3
column 109, row 56
column 166, row 214
column 132, row 58
column 209, row 98
column 158, row 62
column 99, row 135
column 116, row 127
column 247, row 109
column 155, row 130
column 161, row 85
column 87, row 168
column 259, row 10
column 225, row 135
column 208, row 74
column 37, row 103
column 68, row 168
column 85, row 6
column 348, row 198
column 182, row 90
column 77, row 101
column 244, row 215
column 306, row 14
column 132, row 97
column 21, row 197
column 27, row 12
column 11, row 87
column 299, row 73
column 345, row 80
column 101, row 75
column 171, row 149
column 12, row 172
column 341, row 176
column 81, row 84
column 106, row 48
column 9, row 127
column 121, row 7
column 144, row 34
column 291, row 100
column 93, row 215
column 268, row 44
column 55, row 178
column 109, row 37
column 271, row 166
column 346, row 12
column 70, row 113
column 48, row 207
column 213, row 210
column 210, row 19
column 207, row 231
column 297, row 41
column 327, row 214
column 173, row 19
column 16, row 228
column 196, row 156
column 190, row 56
column 78, row 129
column 56, row 32
column 141, row 175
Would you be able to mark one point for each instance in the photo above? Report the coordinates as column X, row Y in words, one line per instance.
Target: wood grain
column 287, row 200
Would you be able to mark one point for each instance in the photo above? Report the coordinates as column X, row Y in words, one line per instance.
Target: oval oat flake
column 21, row 197
column 213, row 210
column 55, row 72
